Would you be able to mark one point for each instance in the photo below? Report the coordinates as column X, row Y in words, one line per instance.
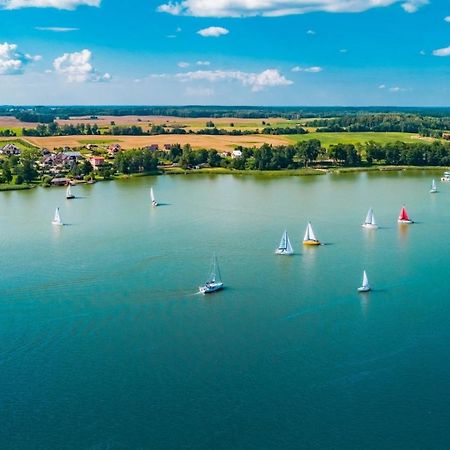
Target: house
column 113, row 149
column 97, row 161
column 446, row 136
column 236, row 154
column 10, row 149
column 225, row 154
column 167, row 146
column 152, row 147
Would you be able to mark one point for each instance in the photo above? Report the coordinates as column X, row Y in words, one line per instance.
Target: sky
column 225, row 52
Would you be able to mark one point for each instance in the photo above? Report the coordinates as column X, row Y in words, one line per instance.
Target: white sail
column 433, row 186
column 152, row 195
column 309, row 233
column 365, row 282
column 370, row 218
column 69, row 192
column 57, row 218
column 215, row 272
column 285, row 246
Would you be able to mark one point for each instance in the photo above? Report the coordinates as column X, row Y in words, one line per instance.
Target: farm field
column 221, row 143
column 328, row 139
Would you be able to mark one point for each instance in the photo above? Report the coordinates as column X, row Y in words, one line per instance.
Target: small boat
column 433, row 189
column 69, row 194
column 370, row 220
column 365, row 287
column 214, row 282
column 152, row 196
column 310, row 237
column 285, row 247
column 57, row 218
column 403, row 217
column 446, row 177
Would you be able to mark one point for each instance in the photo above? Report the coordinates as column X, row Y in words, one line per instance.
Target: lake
column 105, row 343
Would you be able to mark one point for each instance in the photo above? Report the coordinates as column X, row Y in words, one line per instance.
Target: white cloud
column 411, row 6
column 256, row 81
column 447, row 19
column 312, row 69
column 203, row 63
column 58, row 4
column 13, row 62
column 213, row 32
column 183, row 64
column 311, row 32
column 382, row 86
column 77, row 67
column 422, row 52
column 245, row 8
column 56, row 29
column 442, row 51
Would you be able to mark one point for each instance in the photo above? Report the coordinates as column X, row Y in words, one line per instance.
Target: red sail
column 403, row 214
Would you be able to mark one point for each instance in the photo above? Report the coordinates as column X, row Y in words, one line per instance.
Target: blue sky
column 276, row 52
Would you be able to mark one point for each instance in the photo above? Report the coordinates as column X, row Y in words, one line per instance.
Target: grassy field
column 328, row 139
column 20, row 143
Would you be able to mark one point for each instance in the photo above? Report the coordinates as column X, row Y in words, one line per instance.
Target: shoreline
column 257, row 173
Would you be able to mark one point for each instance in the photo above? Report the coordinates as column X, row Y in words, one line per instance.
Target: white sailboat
column 57, row 218
column 370, row 220
column 365, row 287
column 152, row 196
column 310, row 237
column 433, row 189
column 69, row 194
column 214, row 282
column 285, row 247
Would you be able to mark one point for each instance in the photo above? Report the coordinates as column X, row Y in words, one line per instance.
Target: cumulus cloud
column 203, row 63
column 77, row 67
column 312, row 69
column 442, row 51
column 57, row 29
column 311, row 32
column 58, row 4
column 183, row 64
column 256, row 81
column 245, row 8
column 447, row 19
column 411, row 6
column 213, row 32
column 13, row 62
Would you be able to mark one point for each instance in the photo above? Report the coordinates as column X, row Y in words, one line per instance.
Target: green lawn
column 20, row 143
column 353, row 138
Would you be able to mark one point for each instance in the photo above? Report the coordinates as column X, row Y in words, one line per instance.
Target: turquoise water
column 104, row 343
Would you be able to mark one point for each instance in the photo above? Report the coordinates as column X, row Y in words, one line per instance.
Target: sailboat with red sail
column 403, row 217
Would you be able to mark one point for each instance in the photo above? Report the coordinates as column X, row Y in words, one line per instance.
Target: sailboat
column 370, row 220
column 214, row 282
column 152, row 195
column 403, row 217
column 310, row 237
column 57, row 218
column 285, row 247
column 69, row 194
column 365, row 287
column 433, row 189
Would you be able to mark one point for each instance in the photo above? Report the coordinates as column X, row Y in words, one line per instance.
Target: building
column 236, row 154
column 97, row 161
column 10, row 149
column 113, row 149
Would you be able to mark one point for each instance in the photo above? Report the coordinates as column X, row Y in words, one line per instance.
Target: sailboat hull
column 364, row 289
column 54, row 222
column 404, row 221
column 70, row 197
column 433, row 191
column 283, row 251
column 369, row 226
column 311, row 242
column 209, row 288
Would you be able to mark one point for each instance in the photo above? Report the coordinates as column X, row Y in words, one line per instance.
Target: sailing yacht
column 403, row 217
column 69, row 194
column 214, row 282
column 57, row 218
column 310, row 237
column 365, row 287
column 152, row 196
column 433, row 189
column 370, row 220
column 285, row 247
